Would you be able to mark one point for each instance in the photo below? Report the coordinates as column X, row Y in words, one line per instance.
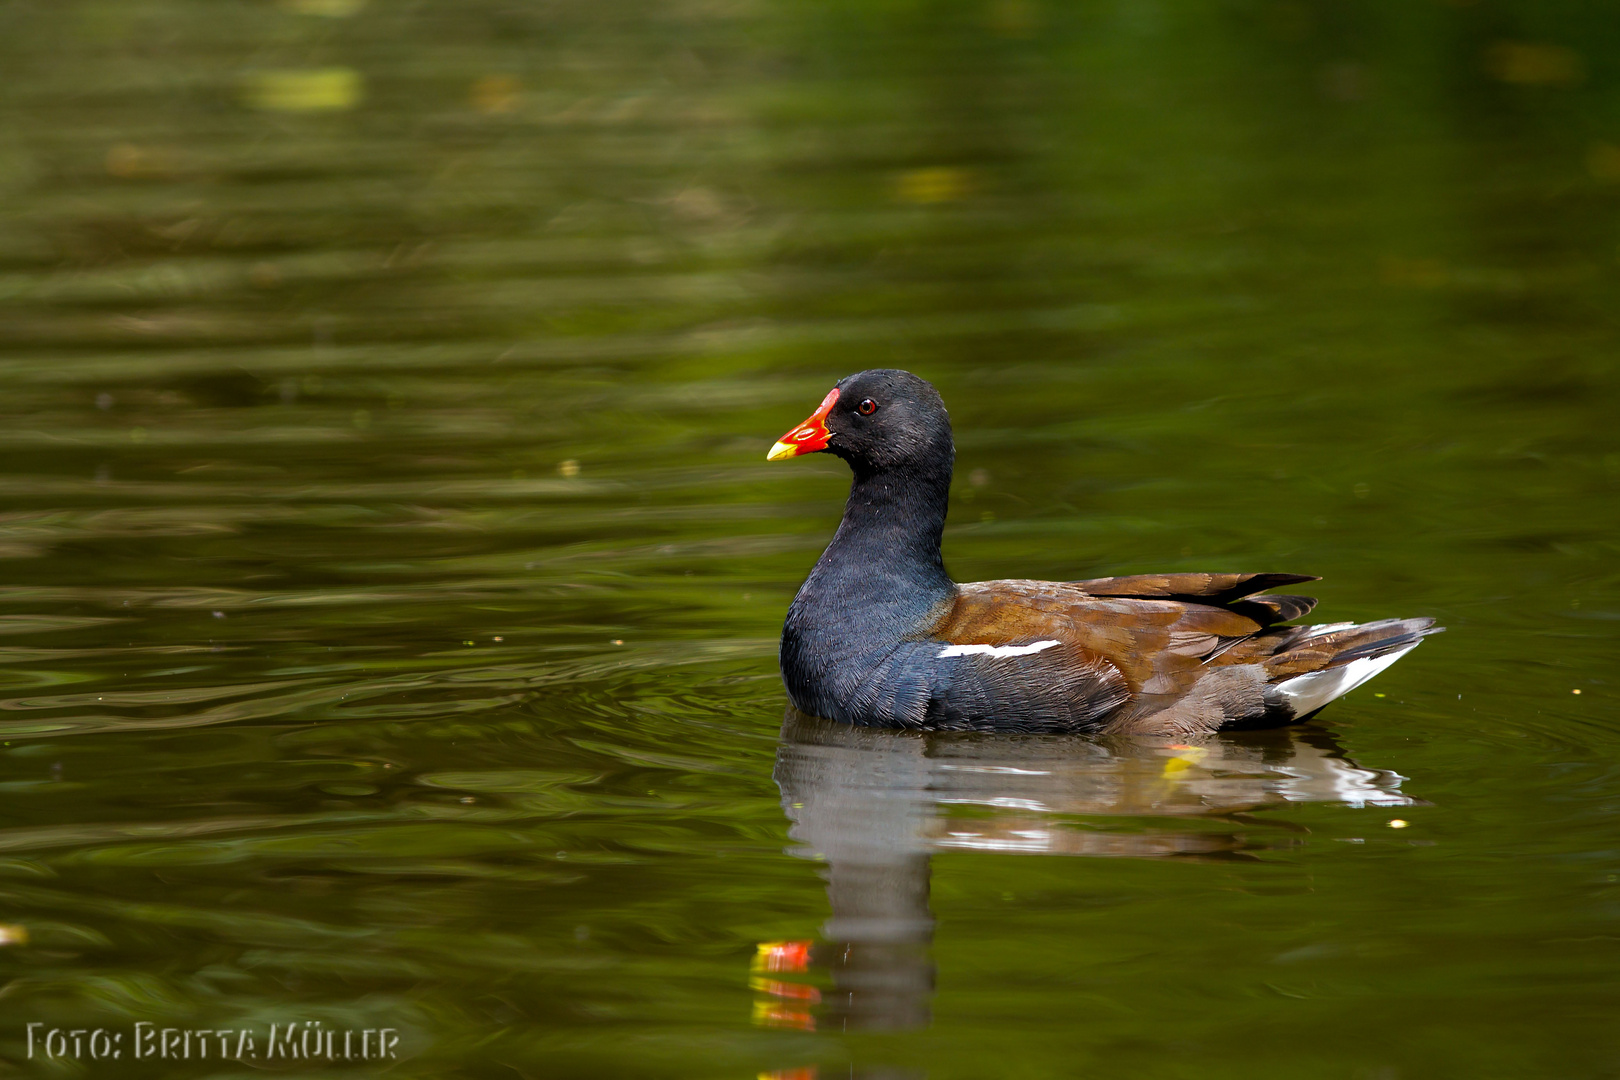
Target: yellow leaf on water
column 1185, row 758
column 1528, row 63
column 1013, row 18
column 495, row 93
column 128, row 161
column 934, row 185
column 313, row 90
column 331, row 9
column 1603, row 162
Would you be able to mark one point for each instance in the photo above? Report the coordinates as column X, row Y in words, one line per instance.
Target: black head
column 879, row 421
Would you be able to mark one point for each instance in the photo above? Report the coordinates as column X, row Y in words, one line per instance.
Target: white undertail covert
column 1309, row 692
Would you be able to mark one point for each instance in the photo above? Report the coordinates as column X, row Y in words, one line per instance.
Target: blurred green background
column 390, row 574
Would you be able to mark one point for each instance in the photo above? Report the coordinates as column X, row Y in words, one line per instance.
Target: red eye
column 867, row 407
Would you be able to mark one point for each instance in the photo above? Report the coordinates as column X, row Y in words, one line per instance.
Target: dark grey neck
column 883, row 568
column 880, row 583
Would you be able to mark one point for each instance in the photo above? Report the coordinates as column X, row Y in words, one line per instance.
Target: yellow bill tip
column 781, row 450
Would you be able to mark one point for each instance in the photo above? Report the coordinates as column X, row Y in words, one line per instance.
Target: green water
column 391, row 573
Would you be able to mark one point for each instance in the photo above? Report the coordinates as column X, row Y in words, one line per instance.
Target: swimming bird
column 880, row 635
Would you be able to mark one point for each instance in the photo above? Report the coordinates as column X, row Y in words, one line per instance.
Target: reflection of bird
column 875, row 805
column 859, row 794
column 879, row 634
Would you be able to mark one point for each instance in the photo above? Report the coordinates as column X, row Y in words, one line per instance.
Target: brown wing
column 1208, row 588
column 1070, row 686
column 1157, row 649
column 1235, row 592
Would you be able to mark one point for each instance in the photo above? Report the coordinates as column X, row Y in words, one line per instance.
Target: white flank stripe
column 1326, row 628
column 1307, row 693
column 996, row 650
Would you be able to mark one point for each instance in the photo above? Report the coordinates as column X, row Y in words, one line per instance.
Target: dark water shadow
column 876, row 805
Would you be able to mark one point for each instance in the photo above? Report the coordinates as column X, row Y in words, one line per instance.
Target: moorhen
column 880, row 635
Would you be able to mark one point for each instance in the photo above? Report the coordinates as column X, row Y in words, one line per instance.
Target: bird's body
column 879, row 633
